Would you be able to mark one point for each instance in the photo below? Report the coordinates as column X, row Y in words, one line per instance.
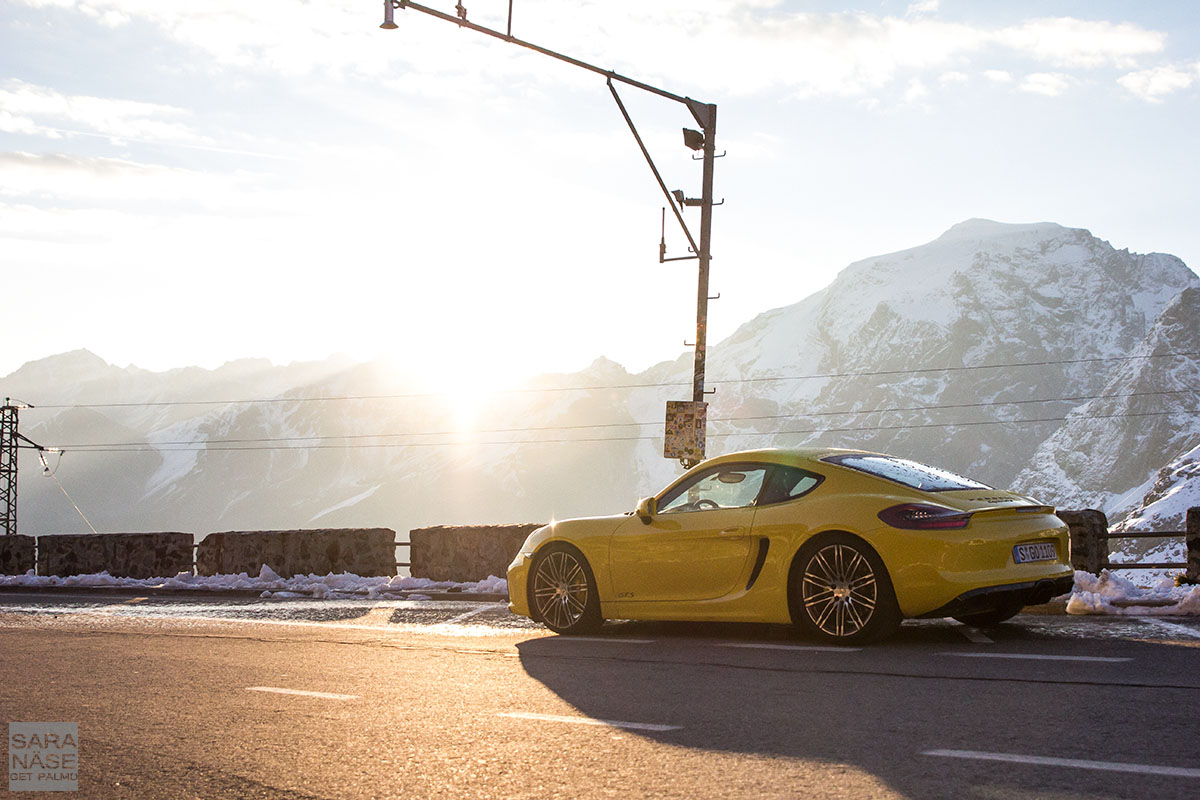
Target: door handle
column 734, row 533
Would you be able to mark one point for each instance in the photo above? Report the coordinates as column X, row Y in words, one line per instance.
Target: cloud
column 27, row 108
column 1051, row 84
column 67, row 180
column 725, row 46
column 1078, row 43
column 1153, row 85
column 917, row 91
column 998, row 75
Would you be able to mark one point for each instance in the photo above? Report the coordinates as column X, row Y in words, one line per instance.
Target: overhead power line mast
column 686, row 422
column 10, row 442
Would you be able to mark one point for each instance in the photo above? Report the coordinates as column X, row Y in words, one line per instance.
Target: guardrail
column 1090, row 536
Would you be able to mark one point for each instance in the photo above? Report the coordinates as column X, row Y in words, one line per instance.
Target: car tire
column 990, row 619
column 562, row 590
column 840, row 592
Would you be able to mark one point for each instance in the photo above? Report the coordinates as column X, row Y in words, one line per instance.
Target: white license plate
column 1042, row 551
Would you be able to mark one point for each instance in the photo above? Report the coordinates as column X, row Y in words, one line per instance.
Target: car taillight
column 924, row 517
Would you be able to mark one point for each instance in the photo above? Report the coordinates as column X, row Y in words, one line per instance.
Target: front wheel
column 562, row 591
column 840, row 592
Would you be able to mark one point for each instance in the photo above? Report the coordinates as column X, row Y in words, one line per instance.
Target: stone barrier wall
column 16, row 554
column 126, row 555
column 1089, row 539
column 466, row 552
column 361, row 551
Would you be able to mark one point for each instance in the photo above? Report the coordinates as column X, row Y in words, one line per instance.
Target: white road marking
column 303, row 693
column 1173, row 627
column 973, row 634
column 809, row 648
column 474, row 611
column 1046, row 761
column 608, row 723
column 1039, row 657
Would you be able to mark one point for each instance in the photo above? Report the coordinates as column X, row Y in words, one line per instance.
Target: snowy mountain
column 1110, row 452
column 1033, row 355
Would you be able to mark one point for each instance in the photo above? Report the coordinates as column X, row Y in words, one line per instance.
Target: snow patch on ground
column 1108, row 593
column 269, row 584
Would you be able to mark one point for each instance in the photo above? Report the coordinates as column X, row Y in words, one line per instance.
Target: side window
column 727, row 486
column 788, row 483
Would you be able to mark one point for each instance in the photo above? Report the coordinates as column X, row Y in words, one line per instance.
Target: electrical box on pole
column 687, row 419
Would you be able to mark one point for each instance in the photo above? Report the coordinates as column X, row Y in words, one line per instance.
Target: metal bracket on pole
column 661, row 185
column 705, row 115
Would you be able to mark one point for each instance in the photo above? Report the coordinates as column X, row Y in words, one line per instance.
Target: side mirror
column 645, row 509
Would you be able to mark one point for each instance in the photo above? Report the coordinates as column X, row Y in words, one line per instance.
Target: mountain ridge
column 971, row 351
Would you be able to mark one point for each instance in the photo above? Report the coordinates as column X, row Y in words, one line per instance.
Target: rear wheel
column 988, row 619
column 840, row 591
column 562, row 591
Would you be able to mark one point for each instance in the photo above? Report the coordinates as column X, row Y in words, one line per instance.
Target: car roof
column 781, row 455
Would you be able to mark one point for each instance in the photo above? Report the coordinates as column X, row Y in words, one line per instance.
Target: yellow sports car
column 843, row 544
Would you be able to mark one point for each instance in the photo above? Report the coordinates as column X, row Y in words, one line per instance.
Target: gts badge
column 624, row 595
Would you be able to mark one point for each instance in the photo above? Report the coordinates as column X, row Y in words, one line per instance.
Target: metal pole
column 705, row 115
column 8, row 468
column 706, row 209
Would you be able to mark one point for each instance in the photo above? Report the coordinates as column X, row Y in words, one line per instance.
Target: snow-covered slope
column 952, row 351
column 1134, row 445
column 985, row 351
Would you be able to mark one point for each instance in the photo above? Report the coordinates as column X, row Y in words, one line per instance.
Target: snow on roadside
column 1109, row 593
column 343, row 585
column 1106, row 594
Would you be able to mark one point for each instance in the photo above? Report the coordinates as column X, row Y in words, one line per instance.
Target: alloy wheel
column 560, row 590
column 839, row 590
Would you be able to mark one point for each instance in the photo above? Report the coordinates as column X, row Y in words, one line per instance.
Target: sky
column 190, row 184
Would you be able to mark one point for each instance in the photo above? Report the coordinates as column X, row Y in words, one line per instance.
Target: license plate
column 1042, row 551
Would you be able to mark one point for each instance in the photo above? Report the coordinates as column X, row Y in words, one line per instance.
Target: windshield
column 909, row 473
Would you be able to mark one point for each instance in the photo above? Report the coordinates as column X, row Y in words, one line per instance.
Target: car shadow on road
column 761, row 690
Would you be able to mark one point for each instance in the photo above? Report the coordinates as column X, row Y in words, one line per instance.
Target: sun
column 467, row 404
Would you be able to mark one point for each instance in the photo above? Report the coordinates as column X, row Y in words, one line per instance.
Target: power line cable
column 201, row 446
column 605, row 425
column 653, row 385
column 50, row 473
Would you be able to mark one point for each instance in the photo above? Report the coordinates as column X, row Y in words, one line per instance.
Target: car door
column 697, row 544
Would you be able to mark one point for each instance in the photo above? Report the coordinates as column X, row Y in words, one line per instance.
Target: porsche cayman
column 843, row 544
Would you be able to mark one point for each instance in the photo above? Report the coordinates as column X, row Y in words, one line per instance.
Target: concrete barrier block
column 16, row 554
column 466, row 552
column 1089, row 539
column 231, row 552
column 361, row 551
column 125, row 555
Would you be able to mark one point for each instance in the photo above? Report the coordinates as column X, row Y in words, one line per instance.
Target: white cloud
column 917, row 91
column 1079, row 43
column 1051, row 84
column 1152, row 85
column 26, row 108
column 953, row 78
column 68, row 180
column 998, row 75
column 724, row 46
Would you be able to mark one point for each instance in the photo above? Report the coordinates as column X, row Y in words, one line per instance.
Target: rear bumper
column 993, row 598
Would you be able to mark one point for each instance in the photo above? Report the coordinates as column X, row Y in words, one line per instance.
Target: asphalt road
column 181, row 698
